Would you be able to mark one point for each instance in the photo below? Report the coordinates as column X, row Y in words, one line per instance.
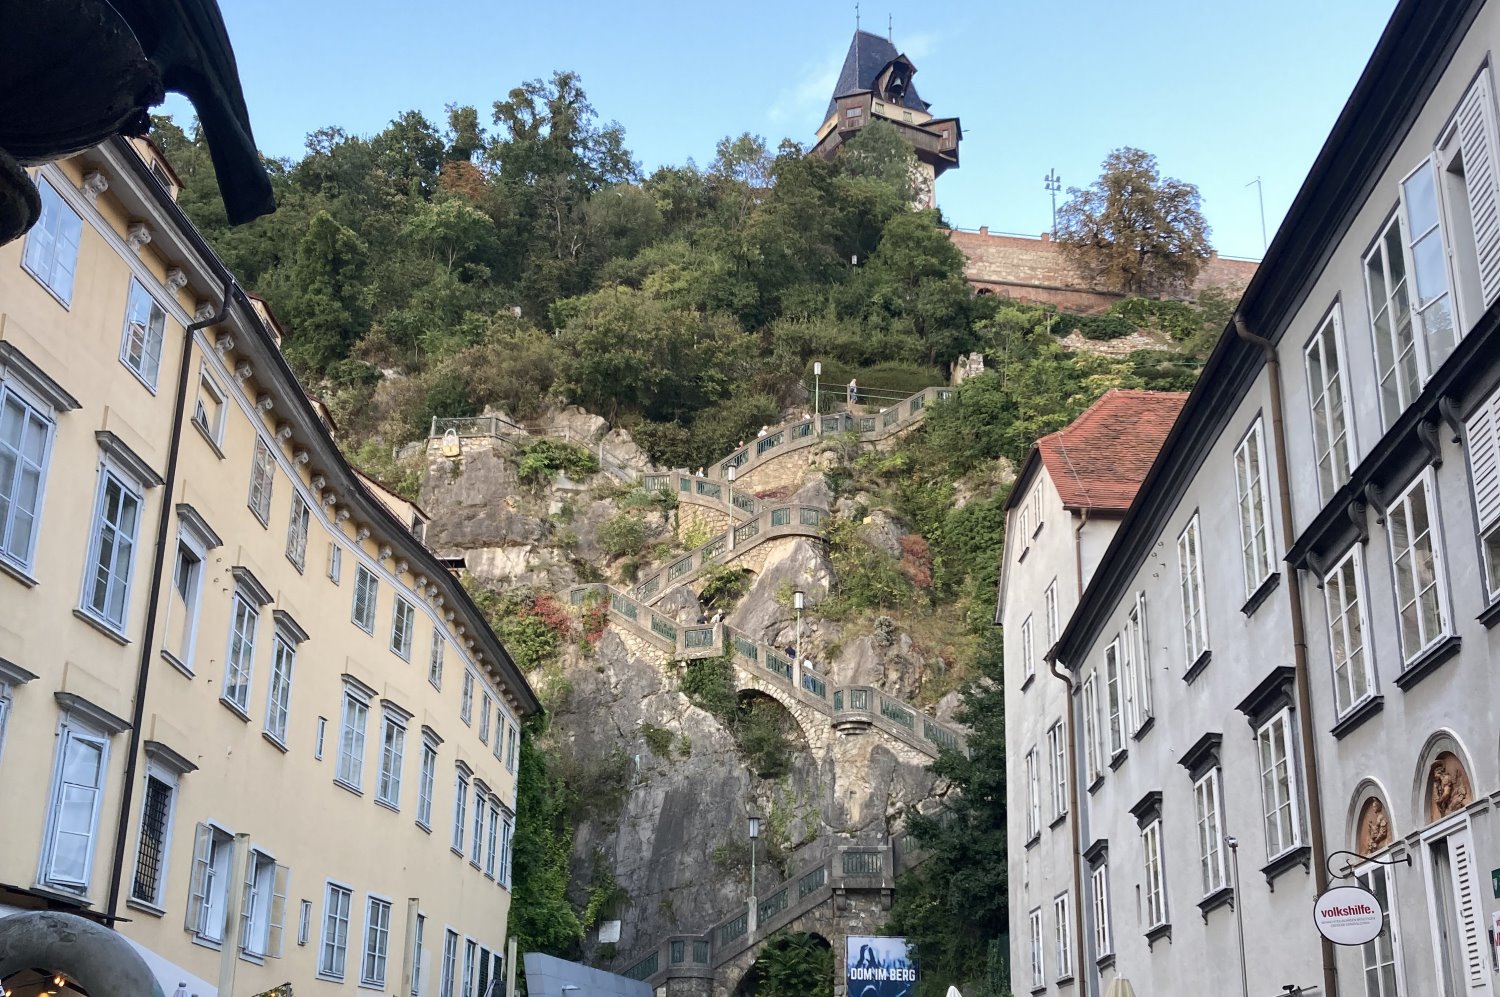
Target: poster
column 880, row 967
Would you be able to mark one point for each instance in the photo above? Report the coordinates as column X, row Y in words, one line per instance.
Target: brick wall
column 1035, row 270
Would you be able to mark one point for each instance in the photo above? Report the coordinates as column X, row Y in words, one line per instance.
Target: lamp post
column 817, row 394
column 754, row 833
column 729, row 473
column 799, row 599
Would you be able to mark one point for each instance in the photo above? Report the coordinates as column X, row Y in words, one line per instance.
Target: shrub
column 867, row 578
column 658, row 739
column 725, row 587
column 544, row 458
column 916, row 560
column 709, row 683
column 1098, row 327
column 623, row 535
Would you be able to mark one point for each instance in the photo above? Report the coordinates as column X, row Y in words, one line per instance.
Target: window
column 426, row 776
column 366, row 586
column 296, row 532
column 1103, row 937
column 1207, row 806
column 1092, row 749
column 466, row 701
column 304, row 922
column 377, row 941
column 510, row 748
column 25, row 449
column 403, row 620
column 1023, row 526
column 1429, row 266
column 1379, row 956
column 322, row 731
column 335, row 562
column 460, row 807
column 417, row 961
column 262, row 478
column 264, row 906
column 208, row 886
column 1458, row 914
column 507, row 827
column 484, row 719
column 77, row 787
column 492, row 838
column 240, row 660
column 471, row 951
column 1038, row 964
column 1255, row 505
column 1482, row 440
column 1114, row 725
column 1060, row 906
column 151, row 852
column 145, row 326
column 208, row 408
column 435, row 659
column 106, row 590
column 392, row 750
column 1057, row 759
column 335, row 932
column 1190, row 577
column 498, row 750
column 1028, row 655
column 1331, row 420
column 52, row 244
column 450, row 963
column 279, row 697
column 1135, row 648
column 1153, row 887
column 1033, row 797
column 476, row 842
column 1278, row 791
column 1035, row 501
column 1343, row 594
column 1421, row 596
column 1052, row 628
column 181, row 622
column 352, row 739
column 1395, row 346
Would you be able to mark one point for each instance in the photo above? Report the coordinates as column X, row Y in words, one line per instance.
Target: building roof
column 1099, row 460
column 868, row 56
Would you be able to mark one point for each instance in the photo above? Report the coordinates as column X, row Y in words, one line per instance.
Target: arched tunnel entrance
column 790, row 964
column 768, row 735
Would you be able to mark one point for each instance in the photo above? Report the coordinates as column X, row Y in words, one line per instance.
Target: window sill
column 1118, row 759
column 208, row 438
column 1024, row 551
column 1143, row 729
column 1063, row 981
column 207, row 943
column 274, row 741
column 1038, row 990
column 1196, row 668
column 328, row 977
column 1028, row 680
column 1105, row 961
column 1286, row 862
column 16, row 572
column 1157, row 933
column 367, row 985
column 1034, row 839
column 62, row 894
column 144, row 907
column 1098, row 781
column 1489, row 617
column 107, row 629
column 1222, row 897
column 1427, row 662
column 1261, row 593
column 1357, row 715
column 234, row 708
column 176, row 663
column 1058, row 821
column 388, row 805
column 426, row 828
column 456, row 851
column 348, row 787
column 252, row 958
column 263, row 518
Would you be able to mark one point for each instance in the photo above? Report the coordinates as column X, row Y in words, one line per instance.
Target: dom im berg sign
column 1348, row 915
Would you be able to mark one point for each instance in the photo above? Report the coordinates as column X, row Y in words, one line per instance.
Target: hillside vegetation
column 519, row 259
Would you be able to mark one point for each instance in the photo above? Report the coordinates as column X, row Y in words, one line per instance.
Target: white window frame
column 1033, row 797
column 403, row 626
column 208, row 884
column 512, row 739
column 418, row 963
column 279, row 691
column 1190, row 582
column 392, row 758
column 333, row 948
column 1257, row 533
column 497, row 749
column 476, row 840
column 377, row 942
column 1153, row 882
column 296, row 532
column 197, row 553
column 1135, row 647
column 1350, row 664
column 426, row 782
column 366, row 594
column 484, row 718
column 1028, row 654
column 1038, row 954
column 1208, row 817
column 140, row 352
column 262, row 481
column 239, row 658
column 471, row 957
column 31, row 414
column 460, row 810
column 1331, row 418
column 1114, row 701
column 507, row 831
column 1103, row 934
column 57, row 234
column 1482, row 444
column 69, row 733
column 466, row 700
column 319, row 736
column 1061, row 907
column 450, row 963
column 492, row 837
column 1399, row 369
column 263, row 914
column 162, row 842
column 1378, row 880
column 1427, row 173
column 1401, row 513
column 435, row 659
column 1053, row 628
column 354, row 720
column 212, row 427
column 335, row 561
column 1093, row 749
column 1057, row 762
column 114, row 577
column 1280, row 783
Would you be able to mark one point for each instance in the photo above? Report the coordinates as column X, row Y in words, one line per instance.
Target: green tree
column 326, row 313
column 1134, row 230
column 542, row 919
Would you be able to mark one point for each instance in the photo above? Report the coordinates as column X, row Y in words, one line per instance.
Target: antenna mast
column 1053, row 183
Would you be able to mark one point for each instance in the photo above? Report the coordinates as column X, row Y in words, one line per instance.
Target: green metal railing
column 645, row 968
column 812, row 881
column 664, row 627
column 863, row 863
column 731, row 930
column 698, row 637
column 700, row 952
column 897, row 713
column 771, row 906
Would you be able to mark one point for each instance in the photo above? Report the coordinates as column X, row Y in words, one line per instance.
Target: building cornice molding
column 167, row 758
column 13, row 674
column 245, row 581
column 92, row 713
column 130, row 462
column 192, row 521
column 14, row 363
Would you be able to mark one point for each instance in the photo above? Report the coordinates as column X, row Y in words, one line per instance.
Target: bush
column 867, row 578
column 709, row 683
column 658, row 739
column 544, row 458
column 725, row 587
column 1098, row 327
column 623, row 535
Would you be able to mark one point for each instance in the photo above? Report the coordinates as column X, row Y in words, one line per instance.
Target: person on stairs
column 853, row 391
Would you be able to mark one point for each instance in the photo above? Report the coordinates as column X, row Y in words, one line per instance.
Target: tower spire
column 890, row 35
column 856, row 17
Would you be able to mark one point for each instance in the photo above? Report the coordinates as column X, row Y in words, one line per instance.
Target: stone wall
column 694, row 518
column 784, row 471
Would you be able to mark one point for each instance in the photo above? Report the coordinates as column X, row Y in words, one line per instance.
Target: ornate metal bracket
column 1348, row 872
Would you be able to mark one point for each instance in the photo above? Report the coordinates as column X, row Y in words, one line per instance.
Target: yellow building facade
column 245, row 715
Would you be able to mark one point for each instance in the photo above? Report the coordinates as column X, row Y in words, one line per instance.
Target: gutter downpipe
column 1299, row 646
column 153, row 603
column 1074, row 816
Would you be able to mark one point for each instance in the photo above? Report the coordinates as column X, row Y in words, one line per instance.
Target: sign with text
column 1348, row 915
column 880, row 967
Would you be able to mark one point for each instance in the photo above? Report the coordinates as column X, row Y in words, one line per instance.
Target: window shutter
column 197, row 908
column 248, row 901
column 1466, row 898
column 1476, row 134
column 276, row 941
column 1482, row 437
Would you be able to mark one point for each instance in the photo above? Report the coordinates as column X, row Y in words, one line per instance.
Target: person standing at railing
column 763, row 431
column 853, row 394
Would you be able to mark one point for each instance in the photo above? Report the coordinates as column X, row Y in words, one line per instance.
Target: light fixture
column 818, row 367
column 754, row 827
column 58, row 980
column 798, row 600
column 729, row 472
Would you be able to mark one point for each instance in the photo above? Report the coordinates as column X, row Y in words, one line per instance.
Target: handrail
column 769, row 523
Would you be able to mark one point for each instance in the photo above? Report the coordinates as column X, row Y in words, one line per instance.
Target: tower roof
column 868, row 57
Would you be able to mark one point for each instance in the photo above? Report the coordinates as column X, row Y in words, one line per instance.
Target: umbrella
column 1120, row 987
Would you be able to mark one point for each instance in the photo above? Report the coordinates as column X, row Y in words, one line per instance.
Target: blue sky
column 1222, row 91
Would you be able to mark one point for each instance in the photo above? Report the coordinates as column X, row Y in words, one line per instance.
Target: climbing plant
column 792, row 965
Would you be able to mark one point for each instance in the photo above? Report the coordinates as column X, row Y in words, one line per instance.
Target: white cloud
column 804, row 101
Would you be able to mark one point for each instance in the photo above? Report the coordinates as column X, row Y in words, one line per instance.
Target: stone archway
column 1372, row 828
column 790, row 964
column 813, row 725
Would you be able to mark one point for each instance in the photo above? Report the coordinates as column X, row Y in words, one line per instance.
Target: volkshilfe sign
column 1348, row 915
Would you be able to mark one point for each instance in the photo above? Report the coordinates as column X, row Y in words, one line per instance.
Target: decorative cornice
column 264, row 402
column 358, row 685
column 224, row 342
column 396, row 710
column 92, row 713
column 94, row 184
column 243, row 371
column 204, row 312
column 168, row 759
column 288, row 626
column 13, row 674
column 246, row 581
column 130, row 461
column 1273, row 693
column 1202, row 756
column 193, row 521
column 1147, row 808
column 431, row 736
column 1097, row 853
column 14, row 363
column 176, row 280
column 137, row 235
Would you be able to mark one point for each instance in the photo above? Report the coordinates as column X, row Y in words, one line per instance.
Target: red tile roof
column 1099, row 460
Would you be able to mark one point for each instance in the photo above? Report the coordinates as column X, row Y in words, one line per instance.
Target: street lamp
column 817, row 397
column 799, row 599
column 729, row 473
column 754, row 833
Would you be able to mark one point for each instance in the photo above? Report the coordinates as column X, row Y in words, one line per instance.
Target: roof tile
column 1099, row 460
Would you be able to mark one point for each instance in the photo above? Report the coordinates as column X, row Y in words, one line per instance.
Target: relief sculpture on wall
column 1448, row 788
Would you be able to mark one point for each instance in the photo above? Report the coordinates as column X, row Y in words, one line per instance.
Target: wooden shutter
column 1482, row 437
column 197, row 908
column 1466, row 898
column 1476, row 135
column 275, row 943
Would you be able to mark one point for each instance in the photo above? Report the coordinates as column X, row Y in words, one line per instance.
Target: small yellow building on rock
column 246, row 717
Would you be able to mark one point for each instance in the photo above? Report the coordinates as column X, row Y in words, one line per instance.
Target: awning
column 1119, row 987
